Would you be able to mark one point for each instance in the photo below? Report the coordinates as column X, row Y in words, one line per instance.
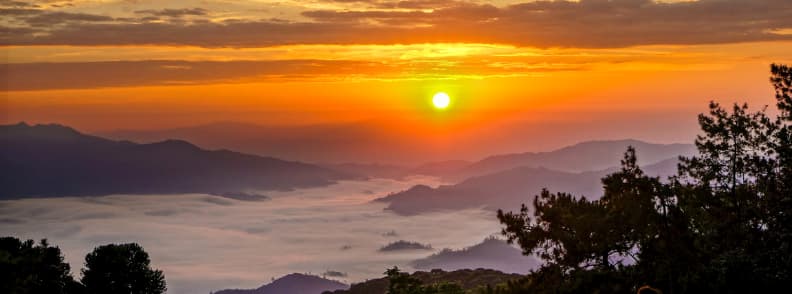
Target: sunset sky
column 529, row 75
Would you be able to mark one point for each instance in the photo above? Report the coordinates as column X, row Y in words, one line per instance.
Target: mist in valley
column 206, row 242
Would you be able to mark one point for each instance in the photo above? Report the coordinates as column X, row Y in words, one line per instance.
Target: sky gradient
column 529, row 75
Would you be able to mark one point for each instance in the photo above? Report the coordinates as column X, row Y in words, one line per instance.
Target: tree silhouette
column 402, row 283
column 121, row 269
column 723, row 224
column 29, row 268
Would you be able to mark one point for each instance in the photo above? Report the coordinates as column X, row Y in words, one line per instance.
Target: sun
column 441, row 100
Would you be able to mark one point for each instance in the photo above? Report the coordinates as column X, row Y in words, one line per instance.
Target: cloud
column 83, row 75
column 402, row 245
column 16, row 12
column 12, row 3
column 39, row 76
column 162, row 212
column 401, row 4
column 587, row 23
column 94, row 215
column 334, row 274
column 243, row 244
column 47, row 19
column 169, row 12
column 8, row 220
column 34, row 18
column 217, row 201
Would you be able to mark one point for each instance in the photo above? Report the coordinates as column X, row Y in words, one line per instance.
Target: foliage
column 28, row 268
column 721, row 225
column 121, row 269
column 470, row 280
column 403, row 283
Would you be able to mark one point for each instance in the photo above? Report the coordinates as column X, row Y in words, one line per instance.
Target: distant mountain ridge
column 377, row 141
column 340, row 142
column 492, row 253
column 55, row 160
column 468, row 279
column 292, row 284
column 507, row 189
column 581, row 157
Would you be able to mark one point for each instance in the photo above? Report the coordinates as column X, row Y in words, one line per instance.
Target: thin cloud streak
column 85, row 75
column 589, row 24
column 64, row 67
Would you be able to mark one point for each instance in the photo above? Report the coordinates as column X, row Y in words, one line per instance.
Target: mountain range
column 55, row 160
column 507, row 189
column 292, row 284
column 577, row 158
column 76, row 164
column 468, row 279
column 492, row 253
column 376, row 141
column 327, row 143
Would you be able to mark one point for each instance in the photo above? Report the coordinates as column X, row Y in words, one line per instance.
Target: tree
column 403, row 283
column 779, row 203
column 586, row 243
column 737, row 194
column 781, row 78
column 723, row 224
column 26, row 267
column 724, row 191
column 121, row 269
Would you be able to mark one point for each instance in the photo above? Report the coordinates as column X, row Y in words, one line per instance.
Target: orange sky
column 575, row 71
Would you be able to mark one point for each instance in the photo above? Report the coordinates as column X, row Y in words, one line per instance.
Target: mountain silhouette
column 357, row 146
column 507, row 189
column 585, row 156
column 468, row 279
column 55, row 160
column 363, row 141
column 492, row 253
column 292, row 284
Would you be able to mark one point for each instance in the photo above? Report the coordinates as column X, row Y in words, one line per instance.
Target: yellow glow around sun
column 441, row 100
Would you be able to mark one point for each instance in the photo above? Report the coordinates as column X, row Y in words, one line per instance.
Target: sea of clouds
column 204, row 242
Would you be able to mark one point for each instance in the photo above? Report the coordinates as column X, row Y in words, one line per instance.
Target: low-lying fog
column 205, row 243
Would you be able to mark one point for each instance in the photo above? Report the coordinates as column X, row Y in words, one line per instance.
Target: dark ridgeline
column 467, row 279
column 362, row 141
column 402, row 245
column 505, row 189
column 581, row 157
column 492, row 254
column 292, row 284
column 54, row 160
column 347, row 147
